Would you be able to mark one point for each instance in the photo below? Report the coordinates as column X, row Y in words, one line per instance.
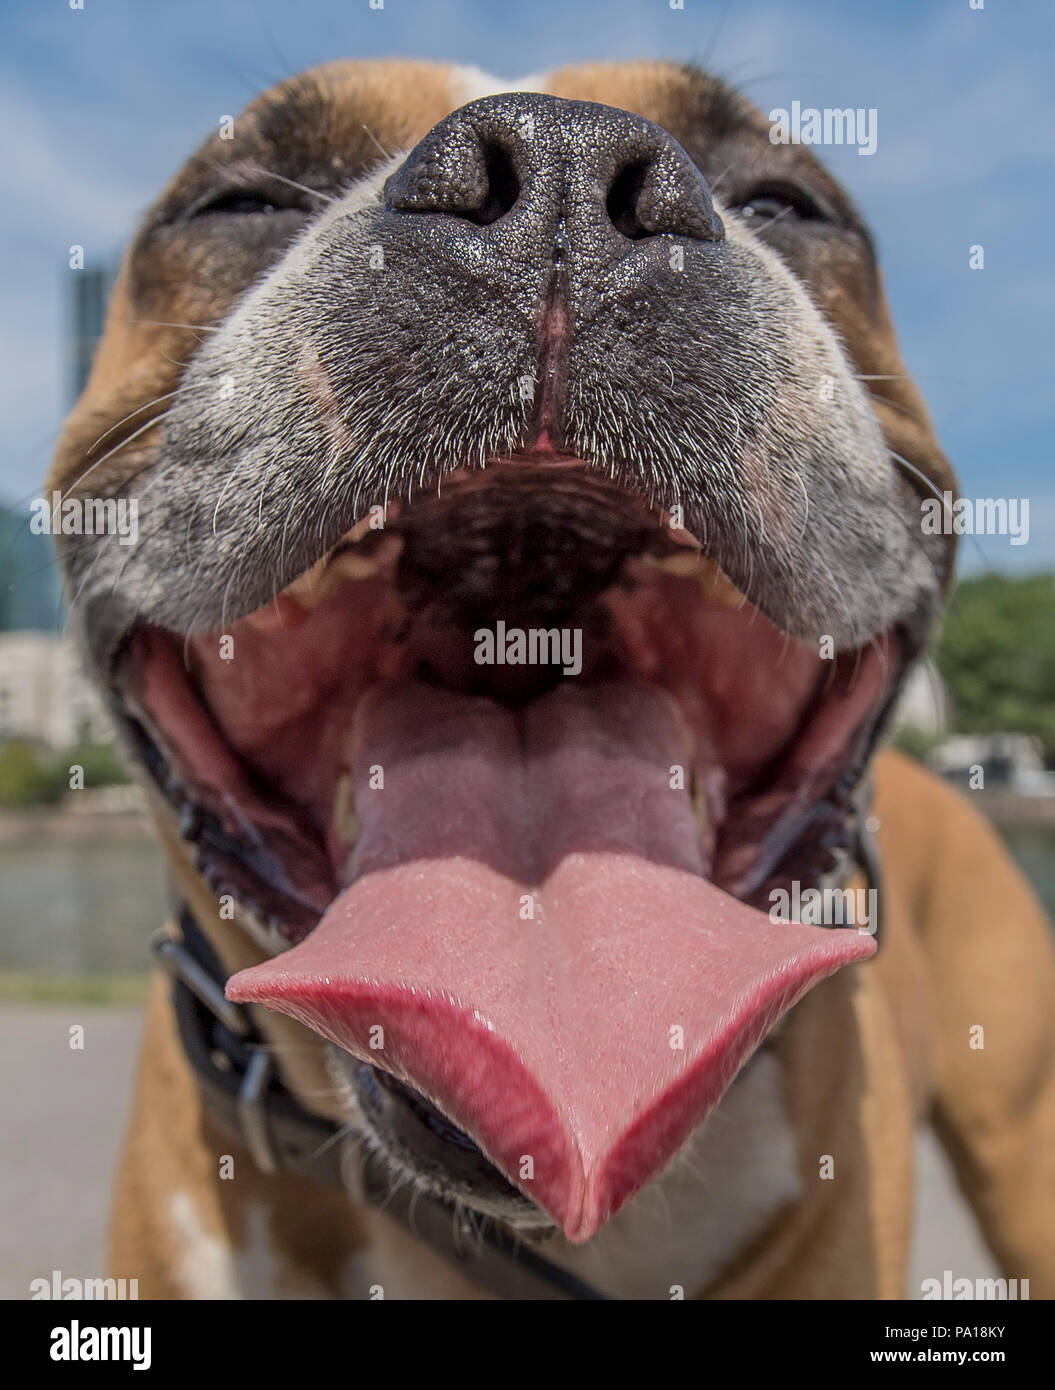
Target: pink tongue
column 529, row 938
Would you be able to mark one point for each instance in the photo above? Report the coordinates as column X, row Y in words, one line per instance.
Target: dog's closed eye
column 241, row 202
column 768, row 201
column 257, row 193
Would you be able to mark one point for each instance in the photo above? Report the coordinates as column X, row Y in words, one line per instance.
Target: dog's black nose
column 544, row 166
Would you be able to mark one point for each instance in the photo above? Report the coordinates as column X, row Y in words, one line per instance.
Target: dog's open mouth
column 516, row 775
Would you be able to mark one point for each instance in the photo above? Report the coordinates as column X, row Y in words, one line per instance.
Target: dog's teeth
column 688, row 564
column 344, row 817
column 266, row 930
column 189, row 821
column 685, row 564
column 317, row 583
column 357, row 566
column 700, row 810
column 275, row 939
column 309, row 588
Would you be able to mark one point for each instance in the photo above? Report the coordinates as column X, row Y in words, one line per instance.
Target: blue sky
column 98, row 107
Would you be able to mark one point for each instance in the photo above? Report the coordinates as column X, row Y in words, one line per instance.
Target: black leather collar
column 243, row 1094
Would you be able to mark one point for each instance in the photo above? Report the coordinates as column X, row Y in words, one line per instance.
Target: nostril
column 502, row 187
column 623, row 199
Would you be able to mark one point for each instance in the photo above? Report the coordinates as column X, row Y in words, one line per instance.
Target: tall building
column 30, row 593
column 43, row 695
column 89, row 293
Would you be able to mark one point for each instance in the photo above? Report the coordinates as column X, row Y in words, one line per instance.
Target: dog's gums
column 498, row 874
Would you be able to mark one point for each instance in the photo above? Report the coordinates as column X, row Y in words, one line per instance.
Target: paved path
column 63, row 1112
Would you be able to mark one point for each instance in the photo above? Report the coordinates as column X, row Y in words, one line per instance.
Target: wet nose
column 539, row 163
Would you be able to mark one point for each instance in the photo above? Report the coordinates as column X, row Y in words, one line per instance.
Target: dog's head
column 529, row 550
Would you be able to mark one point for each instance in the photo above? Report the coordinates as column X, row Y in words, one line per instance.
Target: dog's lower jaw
column 407, row 1136
column 732, row 1179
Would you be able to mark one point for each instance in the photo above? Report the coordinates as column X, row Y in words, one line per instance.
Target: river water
column 89, row 908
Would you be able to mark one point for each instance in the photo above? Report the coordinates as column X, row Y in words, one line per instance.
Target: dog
column 529, row 561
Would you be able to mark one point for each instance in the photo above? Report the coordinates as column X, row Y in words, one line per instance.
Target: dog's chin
column 416, row 1143
column 478, row 862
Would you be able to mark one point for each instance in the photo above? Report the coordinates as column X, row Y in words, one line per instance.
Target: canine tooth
column 309, row 588
column 190, row 821
column 717, row 585
column 358, row 566
column 712, row 579
column 315, row 584
column 344, row 816
column 700, row 809
column 266, row 930
column 685, row 564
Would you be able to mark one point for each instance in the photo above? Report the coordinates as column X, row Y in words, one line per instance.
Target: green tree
column 33, row 776
column 102, row 766
column 996, row 655
column 28, row 776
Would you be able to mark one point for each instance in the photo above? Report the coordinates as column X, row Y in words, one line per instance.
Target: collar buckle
column 251, row 1097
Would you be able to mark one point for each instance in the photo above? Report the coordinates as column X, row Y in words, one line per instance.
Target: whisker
column 346, row 1131
column 712, row 42
column 122, row 444
column 257, row 168
column 918, row 473
column 376, row 141
column 713, row 183
column 164, row 323
column 806, row 499
column 760, row 231
column 947, row 510
column 131, row 414
column 896, row 405
column 301, row 187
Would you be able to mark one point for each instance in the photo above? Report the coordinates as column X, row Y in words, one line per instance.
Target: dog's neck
column 730, row 1182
